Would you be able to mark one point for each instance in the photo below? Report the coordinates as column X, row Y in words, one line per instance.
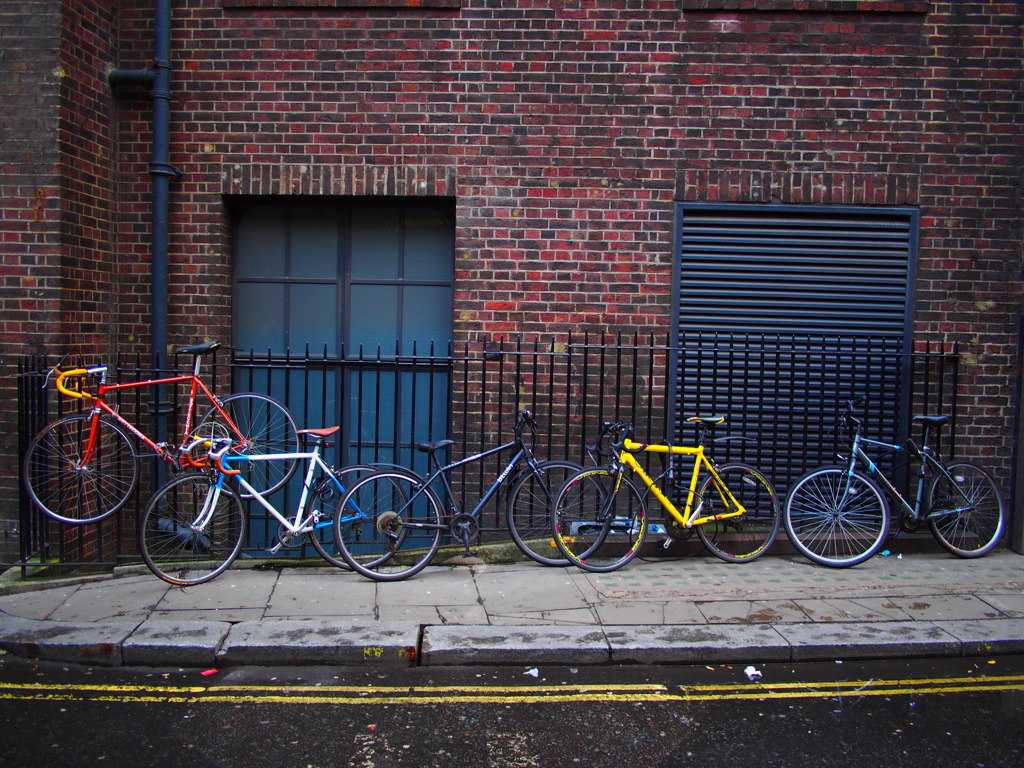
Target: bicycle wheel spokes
column 834, row 520
column 381, row 533
column 69, row 490
column 265, row 426
column 966, row 512
column 183, row 540
column 528, row 514
column 595, row 528
column 747, row 536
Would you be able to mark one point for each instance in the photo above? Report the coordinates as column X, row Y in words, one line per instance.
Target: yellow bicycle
column 599, row 518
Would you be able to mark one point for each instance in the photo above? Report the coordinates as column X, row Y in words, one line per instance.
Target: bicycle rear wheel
column 835, row 519
column 747, row 536
column 966, row 512
column 598, row 520
column 72, row 492
column 264, row 426
column 384, row 529
column 182, row 539
column 528, row 513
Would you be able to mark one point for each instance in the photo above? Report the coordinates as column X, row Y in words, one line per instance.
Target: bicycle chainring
column 677, row 531
column 288, row 539
column 464, row 527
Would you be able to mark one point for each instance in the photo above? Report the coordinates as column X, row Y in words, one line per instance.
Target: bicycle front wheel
column 744, row 537
column 598, row 520
column 189, row 534
column 528, row 514
column 388, row 525
column 966, row 512
column 70, row 490
column 836, row 519
column 264, row 426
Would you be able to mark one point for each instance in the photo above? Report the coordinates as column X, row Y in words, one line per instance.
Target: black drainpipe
column 158, row 79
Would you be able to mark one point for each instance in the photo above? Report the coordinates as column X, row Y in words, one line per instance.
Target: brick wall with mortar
column 565, row 131
column 30, row 219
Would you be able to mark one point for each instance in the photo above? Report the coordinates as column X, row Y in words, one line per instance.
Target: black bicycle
column 389, row 524
column 839, row 515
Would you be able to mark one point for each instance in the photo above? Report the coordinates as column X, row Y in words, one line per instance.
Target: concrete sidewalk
column 693, row 610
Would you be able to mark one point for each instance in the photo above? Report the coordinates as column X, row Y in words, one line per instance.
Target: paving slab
column 174, row 643
column 646, row 612
column 564, row 617
column 852, row 609
column 36, row 603
column 130, row 598
column 237, row 588
column 751, row 611
column 229, row 614
column 320, row 595
column 517, row 590
column 321, row 641
column 1007, row 604
column 945, row 607
column 513, row 645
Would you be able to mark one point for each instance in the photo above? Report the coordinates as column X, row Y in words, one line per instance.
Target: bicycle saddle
column 436, row 445
column 321, row 432
column 705, row 419
column 198, row 349
column 934, row 421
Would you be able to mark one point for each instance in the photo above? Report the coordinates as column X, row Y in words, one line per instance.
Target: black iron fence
column 782, row 394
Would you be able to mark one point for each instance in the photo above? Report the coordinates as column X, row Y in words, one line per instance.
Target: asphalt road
column 962, row 712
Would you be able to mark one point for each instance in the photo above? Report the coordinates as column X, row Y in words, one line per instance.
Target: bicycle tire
column 373, row 528
column 68, row 492
column 179, row 550
column 745, row 537
column 322, row 536
column 265, row 426
column 828, row 532
column 528, row 510
column 599, row 520
column 970, row 533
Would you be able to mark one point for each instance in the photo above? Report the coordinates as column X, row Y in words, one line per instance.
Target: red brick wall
column 29, row 216
column 88, row 152
column 565, row 131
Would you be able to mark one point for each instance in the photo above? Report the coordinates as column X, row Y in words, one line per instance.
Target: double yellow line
column 512, row 694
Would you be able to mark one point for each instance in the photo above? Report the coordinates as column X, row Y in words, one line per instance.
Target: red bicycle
column 83, row 468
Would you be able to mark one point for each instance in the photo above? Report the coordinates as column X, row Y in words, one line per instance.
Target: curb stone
column 286, row 641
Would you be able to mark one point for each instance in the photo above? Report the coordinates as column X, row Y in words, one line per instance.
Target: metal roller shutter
column 784, row 311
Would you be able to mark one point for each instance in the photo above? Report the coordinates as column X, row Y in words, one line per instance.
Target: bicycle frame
column 442, row 472
column 301, row 522
column 690, row 516
column 927, row 461
column 100, row 406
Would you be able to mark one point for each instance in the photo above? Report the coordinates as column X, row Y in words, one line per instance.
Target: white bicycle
column 194, row 526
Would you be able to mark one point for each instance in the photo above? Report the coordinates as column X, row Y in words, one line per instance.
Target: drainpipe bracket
column 164, row 169
column 144, row 77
